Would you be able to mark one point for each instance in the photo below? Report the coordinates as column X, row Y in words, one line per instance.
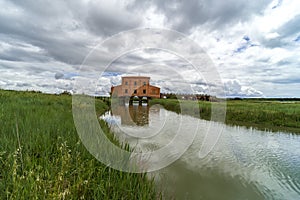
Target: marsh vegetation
column 260, row 114
column 42, row 157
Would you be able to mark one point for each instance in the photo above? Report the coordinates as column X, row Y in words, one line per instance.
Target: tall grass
column 263, row 115
column 270, row 115
column 41, row 156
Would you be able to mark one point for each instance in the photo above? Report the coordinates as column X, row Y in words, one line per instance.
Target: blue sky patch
column 246, row 38
column 297, row 39
column 107, row 74
column 69, row 75
column 241, row 49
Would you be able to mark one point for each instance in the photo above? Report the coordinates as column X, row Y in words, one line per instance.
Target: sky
column 254, row 45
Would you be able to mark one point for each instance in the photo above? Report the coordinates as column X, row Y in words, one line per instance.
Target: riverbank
column 41, row 156
column 259, row 114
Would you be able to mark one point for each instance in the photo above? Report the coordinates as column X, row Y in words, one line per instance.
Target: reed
column 42, row 157
column 259, row 114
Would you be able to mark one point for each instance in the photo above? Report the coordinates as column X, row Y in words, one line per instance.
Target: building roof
column 136, row 77
column 154, row 86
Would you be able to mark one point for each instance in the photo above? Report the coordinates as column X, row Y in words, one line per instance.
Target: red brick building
column 135, row 86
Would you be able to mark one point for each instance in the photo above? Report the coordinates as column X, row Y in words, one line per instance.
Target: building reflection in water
column 135, row 121
column 132, row 115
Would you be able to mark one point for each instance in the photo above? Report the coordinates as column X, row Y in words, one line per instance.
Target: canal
column 244, row 163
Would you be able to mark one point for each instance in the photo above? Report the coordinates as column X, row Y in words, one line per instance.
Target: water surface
column 244, row 164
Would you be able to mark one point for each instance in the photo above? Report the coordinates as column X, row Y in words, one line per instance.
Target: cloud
column 285, row 81
column 183, row 16
column 235, row 89
column 107, row 18
column 64, row 30
column 58, row 75
column 253, row 44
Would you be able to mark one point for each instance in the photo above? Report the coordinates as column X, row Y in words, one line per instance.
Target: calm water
column 244, row 164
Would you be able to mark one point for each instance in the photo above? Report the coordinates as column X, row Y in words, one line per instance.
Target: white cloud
column 253, row 44
column 235, row 89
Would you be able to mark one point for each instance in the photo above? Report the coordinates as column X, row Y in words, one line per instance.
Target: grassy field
column 263, row 115
column 41, row 156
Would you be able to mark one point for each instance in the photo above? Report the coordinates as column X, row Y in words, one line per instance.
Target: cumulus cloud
column 234, row 88
column 59, row 75
column 184, row 16
column 253, row 44
column 108, row 17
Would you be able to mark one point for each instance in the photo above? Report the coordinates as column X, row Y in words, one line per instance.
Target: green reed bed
column 42, row 157
column 270, row 115
column 260, row 114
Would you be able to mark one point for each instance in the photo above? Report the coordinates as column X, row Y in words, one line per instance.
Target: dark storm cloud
column 18, row 53
column 109, row 20
column 131, row 59
column 63, row 29
column 58, row 75
column 40, row 31
column 23, row 84
column 47, row 41
column 184, row 15
column 284, row 81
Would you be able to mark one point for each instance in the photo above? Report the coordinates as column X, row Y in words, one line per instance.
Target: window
column 144, row 91
column 134, row 92
column 126, row 91
column 126, row 83
column 135, row 83
column 144, row 83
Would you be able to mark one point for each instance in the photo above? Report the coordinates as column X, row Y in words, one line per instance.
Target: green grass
column 263, row 115
column 42, row 157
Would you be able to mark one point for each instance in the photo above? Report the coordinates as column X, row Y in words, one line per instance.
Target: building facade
column 135, row 86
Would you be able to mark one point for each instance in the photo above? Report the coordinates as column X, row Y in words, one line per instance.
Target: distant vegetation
column 42, row 157
column 202, row 97
column 258, row 113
